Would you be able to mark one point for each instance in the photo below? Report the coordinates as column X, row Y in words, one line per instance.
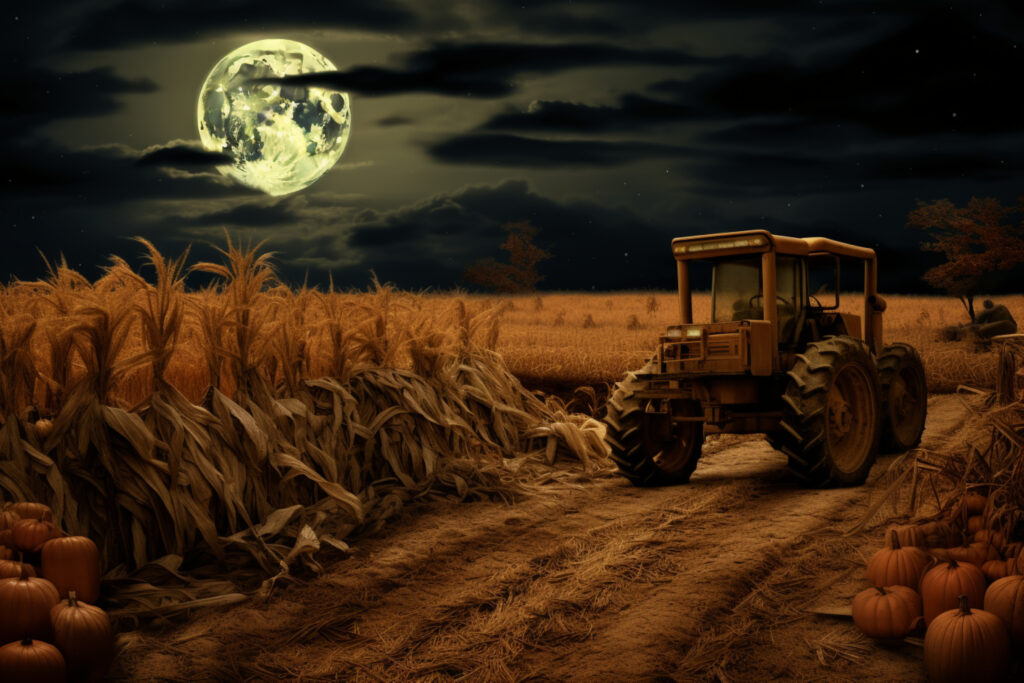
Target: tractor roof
column 746, row 241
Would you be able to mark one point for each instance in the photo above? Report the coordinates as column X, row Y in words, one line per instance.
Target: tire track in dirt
column 604, row 582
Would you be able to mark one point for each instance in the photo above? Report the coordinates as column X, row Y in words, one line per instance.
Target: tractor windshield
column 736, row 290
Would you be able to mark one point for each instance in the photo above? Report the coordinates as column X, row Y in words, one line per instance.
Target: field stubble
column 545, row 342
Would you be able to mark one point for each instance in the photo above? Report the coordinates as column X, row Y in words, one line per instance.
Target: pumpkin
column 997, row 569
column 8, row 518
column 896, row 565
column 940, row 534
column 942, row 585
column 966, row 644
column 73, row 562
column 991, row 537
column 7, row 538
column 31, row 534
column 33, row 511
column 909, row 535
column 975, row 502
column 975, row 523
column 25, row 603
column 974, row 553
column 9, row 569
column 887, row 613
column 31, row 661
column 6, row 553
column 1005, row 599
column 83, row 633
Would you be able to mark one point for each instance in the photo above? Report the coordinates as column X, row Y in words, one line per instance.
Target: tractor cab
column 783, row 290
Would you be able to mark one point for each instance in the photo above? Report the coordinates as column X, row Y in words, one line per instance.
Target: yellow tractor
column 774, row 358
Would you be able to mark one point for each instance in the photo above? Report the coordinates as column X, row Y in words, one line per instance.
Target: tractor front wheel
column 650, row 448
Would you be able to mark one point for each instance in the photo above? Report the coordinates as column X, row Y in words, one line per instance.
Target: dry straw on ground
column 218, row 439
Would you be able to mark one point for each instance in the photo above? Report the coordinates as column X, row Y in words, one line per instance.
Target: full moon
column 282, row 137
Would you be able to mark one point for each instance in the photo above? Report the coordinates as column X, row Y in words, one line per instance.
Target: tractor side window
column 789, row 288
column 736, row 290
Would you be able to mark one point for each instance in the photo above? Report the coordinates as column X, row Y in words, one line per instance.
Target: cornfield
column 216, row 440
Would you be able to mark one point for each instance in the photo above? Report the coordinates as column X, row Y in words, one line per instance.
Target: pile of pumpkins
column 50, row 628
column 960, row 579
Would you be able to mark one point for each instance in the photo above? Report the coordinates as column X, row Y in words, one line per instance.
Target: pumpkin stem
column 72, row 598
column 24, row 569
column 965, row 607
column 895, row 540
column 953, row 563
column 27, row 640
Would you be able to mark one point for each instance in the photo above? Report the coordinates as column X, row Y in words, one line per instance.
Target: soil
column 595, row 581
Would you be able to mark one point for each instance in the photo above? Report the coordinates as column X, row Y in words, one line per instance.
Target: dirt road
column 598, row 582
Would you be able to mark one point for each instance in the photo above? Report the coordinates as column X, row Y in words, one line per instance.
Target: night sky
column 611, row 126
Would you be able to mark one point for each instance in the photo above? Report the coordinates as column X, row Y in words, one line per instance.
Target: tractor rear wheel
column 904, row 397
column 831, row 416
column 648, row 447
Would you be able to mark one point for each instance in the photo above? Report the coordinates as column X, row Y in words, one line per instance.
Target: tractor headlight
column 674, row 333
column 693, row 333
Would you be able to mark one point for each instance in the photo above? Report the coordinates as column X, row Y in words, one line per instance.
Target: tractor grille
column 715, row 352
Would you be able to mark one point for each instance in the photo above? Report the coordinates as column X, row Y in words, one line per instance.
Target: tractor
column 774, row 358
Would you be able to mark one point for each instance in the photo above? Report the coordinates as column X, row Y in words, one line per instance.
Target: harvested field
column 599, row 582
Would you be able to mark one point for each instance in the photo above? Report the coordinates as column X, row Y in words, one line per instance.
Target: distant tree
column 520, row 273
column 981, row 243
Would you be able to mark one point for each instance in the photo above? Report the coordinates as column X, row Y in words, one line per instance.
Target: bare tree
column 519, row 274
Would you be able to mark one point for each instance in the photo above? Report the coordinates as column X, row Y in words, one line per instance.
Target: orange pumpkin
column 7, row 538
column 6, row 553
column 941, row 586
column 975, row 523
column 33, row 511
column 25, row 603
column 908, row 535
column 31, row 661
column 1005, row 599
column 975, row 502
column 73, row 562
column 995, row 538
column 940, row 534
column 997, row 569
column 9, row 569
column 31, row 534
column 965, row 644
column 85, row 637
column 887, row 613
column 974, row 553
column 896, row 565
column 8, row 518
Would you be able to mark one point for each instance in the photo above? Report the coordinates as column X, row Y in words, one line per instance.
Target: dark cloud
column 33, row 96
column 482, row 69
column 389, row 121
column 134, row 22
column 183, row 155
column 633, row 111
column 493, row 149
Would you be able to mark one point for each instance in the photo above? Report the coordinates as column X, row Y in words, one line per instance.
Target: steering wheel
column 813, row 299
column 761, row 296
